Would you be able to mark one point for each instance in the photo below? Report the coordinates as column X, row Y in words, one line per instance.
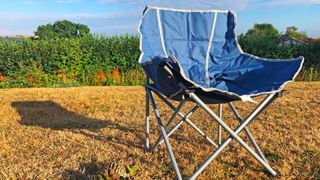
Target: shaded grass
column 77, row 133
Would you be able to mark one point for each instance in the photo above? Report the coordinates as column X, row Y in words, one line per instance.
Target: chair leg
column 147, row 130
column 160, row 139
column 253, row 142
column 219, row 126
column 233, row 134
column 164, row 135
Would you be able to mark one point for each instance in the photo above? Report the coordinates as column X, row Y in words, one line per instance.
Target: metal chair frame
column 185, row 118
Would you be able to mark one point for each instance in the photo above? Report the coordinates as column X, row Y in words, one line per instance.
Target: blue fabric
column 186, row 36
column 156, row 72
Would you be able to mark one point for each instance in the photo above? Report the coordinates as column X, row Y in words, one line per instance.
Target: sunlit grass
column 82, row 132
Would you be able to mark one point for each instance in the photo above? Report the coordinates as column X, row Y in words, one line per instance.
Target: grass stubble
column 77, row 133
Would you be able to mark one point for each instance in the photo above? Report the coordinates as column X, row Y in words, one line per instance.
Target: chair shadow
column 48, row 114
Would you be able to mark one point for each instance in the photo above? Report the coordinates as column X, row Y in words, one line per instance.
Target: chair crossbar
column 175, row 127
column 186, row 118
column 176, row 111
column 233, row 134
column 246, row 130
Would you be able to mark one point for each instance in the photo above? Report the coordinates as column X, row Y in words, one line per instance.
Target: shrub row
column 90, row 60
column 99, row 60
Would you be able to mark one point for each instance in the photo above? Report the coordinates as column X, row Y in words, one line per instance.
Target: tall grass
column 309, row 74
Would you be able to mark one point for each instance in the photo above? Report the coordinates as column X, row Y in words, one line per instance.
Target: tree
column 292, row 32
column 62, row 29
column 262, row 40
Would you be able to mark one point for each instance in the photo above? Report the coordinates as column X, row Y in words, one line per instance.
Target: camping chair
column 195, row 56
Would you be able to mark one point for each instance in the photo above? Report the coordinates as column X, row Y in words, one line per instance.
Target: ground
column 77, row 133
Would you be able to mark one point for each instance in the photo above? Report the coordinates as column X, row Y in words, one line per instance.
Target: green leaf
column 132, row 170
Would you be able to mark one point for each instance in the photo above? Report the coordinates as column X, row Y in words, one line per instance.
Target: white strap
column 161, row 33
column 247, row 98
column 209, row 47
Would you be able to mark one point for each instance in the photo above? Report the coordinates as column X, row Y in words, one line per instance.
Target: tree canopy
column 261, row 38
column 293, row 32
column 62, row 29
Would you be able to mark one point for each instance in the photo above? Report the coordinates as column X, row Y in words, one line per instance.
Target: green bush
column 69, row 61
column 264, row 40
column 103, row 60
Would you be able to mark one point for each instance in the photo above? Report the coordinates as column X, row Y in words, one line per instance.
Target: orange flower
column 30, row 79
column 116, row 76
column 100, row 77
column 3, row 77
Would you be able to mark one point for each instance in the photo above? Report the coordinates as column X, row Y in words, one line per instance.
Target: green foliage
column 264, row 40
column 88, row 60
column 12, row 39
column 62, row 29
column 103, row 60
column 131, row 170
column 111, row 173
column 293, row 32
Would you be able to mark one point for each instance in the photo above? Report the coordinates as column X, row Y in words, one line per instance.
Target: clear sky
column 21, row 17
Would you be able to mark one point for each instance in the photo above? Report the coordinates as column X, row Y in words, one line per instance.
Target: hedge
column 98, row 60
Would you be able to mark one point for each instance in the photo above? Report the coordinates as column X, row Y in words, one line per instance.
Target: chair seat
column 240, row 79
column 212, row 97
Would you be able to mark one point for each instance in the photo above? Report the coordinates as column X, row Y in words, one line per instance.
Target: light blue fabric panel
column 151, row 45
column 186, row 36
column 219, row 40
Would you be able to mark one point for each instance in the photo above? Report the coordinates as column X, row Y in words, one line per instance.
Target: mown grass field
column 77, row 133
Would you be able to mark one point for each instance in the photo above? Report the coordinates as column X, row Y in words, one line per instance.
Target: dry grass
column 77, row 132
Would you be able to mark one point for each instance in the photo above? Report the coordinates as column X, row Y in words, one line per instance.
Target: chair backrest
column 194, row 37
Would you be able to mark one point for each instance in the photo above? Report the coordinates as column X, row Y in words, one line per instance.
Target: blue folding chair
column 195, row 56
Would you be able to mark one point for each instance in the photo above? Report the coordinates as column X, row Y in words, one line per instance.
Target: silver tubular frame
column 220, row 145
column 164, row 135
column 147, row 130
column 185, row 118
column 246, row 130
column 219, row 126
column 233, row 134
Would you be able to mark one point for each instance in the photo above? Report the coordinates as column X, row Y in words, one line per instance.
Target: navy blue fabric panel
column 248, row 75
column 232, row 50
column 162, row 80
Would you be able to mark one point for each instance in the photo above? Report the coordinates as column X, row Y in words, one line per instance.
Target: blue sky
column 21, row 17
